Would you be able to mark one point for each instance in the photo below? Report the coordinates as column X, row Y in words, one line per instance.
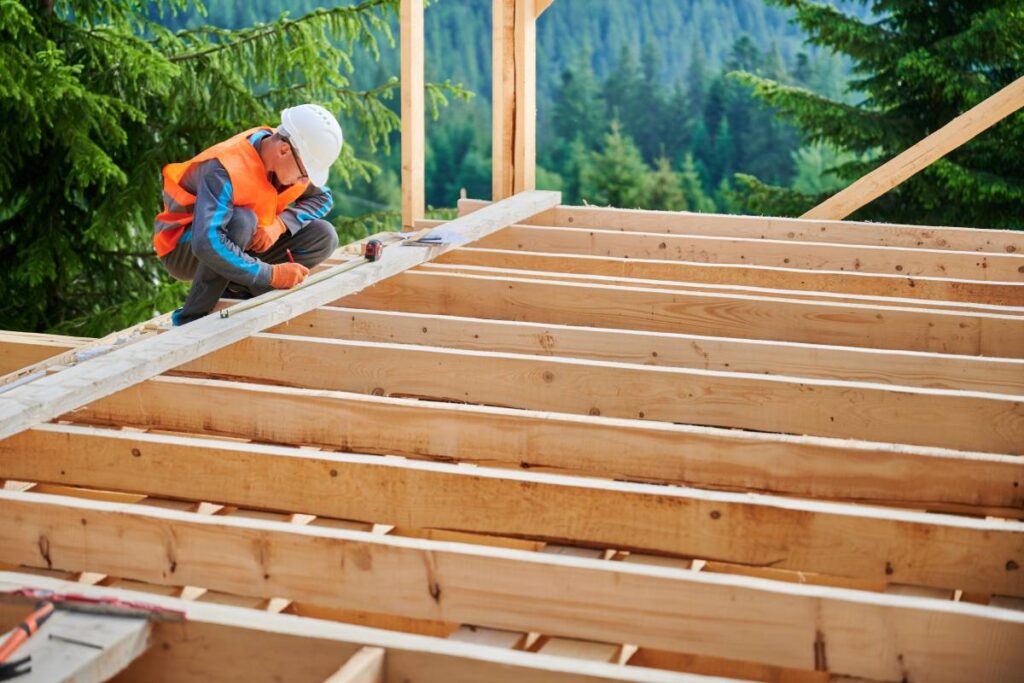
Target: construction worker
column 236, row 215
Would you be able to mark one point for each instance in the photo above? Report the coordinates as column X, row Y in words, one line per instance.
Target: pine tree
column 665, row 190
column 693, row 188
column 97, row 97
column 617, row 175
column 918, row 66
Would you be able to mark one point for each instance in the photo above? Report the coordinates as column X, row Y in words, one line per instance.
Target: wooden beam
column 48, row 397
column 365, row 666
column 701, row 288
column 514, row 115
column 413, row 113
column 240, row 645
column 766, row 227
column 112, row 643
column 935, row 263
column 525, row 151
column 656, row 607
column 963, row 128
column 23, row 348
column 925, row 289
column 825, row 538
column 710, row 314
column 927, row 417
column 907, row 368
column 866, row 472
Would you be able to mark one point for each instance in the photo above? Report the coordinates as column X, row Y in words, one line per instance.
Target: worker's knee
column 322, row 239
column 242, row 226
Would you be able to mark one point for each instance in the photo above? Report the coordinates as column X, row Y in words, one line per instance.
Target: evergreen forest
column 733, row 106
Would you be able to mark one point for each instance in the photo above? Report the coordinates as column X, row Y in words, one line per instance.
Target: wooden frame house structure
column 570, row 444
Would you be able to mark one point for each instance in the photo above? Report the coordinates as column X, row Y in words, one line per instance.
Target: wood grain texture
column 413, row 112
column 773, row 228
column 869, row 284
column 938, row 263
column 874, row 636
column 927, row 417
column 825, row 538
column 908, row 368
column 731, row 289
column 709, row 314
column 632, row 450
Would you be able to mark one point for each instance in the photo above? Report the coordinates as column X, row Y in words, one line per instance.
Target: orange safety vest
column 249, row 184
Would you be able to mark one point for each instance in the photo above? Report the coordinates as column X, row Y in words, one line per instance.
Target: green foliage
column 98, row 95
column 916, row 68
column 665, row 190
column 693, row 190
column 616, row 175
column 815, row 169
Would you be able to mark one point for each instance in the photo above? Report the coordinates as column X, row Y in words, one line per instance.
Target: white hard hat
column 315, row 135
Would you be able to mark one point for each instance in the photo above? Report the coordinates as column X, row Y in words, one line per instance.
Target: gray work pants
column 310, row 246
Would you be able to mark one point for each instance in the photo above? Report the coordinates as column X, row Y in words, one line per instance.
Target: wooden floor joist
column 908, row 368
column 868, row 284
column 923, row 549
column 873, row 636
column 927, row 417
column 499, row 270
column 721, row 315
column 770, row 227
column 935, row 263
column 938, row 263
column 869, row 472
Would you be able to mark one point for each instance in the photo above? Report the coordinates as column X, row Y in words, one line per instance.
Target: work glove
column 265, row 237
column 287, row 275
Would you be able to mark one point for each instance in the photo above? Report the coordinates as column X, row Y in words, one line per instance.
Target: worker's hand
column 265, row 237
column 287, row 275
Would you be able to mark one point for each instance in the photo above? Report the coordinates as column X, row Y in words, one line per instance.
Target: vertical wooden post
column 514, row 88
column 413, row 113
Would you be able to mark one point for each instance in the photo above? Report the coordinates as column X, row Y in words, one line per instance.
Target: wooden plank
column 713, row 666
column 877, row 636
column 503, row 98
column 909, row 368
column 731, row 289
column 927, row 417
column 870, row 284
column 23, row 348
column 51, row 396
column 413, row 113
column 941, row 551
column 525, row 151
column 238, row 645
column 965, row 127
column 103, row 647
column 868, row 472
column 514, row 116
column 719, row 315
column 967, row 265
column 365, row 666
column 773, row 228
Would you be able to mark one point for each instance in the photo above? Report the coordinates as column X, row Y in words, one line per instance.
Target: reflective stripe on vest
column 248, row 177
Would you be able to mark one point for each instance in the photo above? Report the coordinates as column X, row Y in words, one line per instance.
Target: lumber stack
column 598, row 444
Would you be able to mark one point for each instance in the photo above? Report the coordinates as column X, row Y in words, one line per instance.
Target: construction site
column 542, row 442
